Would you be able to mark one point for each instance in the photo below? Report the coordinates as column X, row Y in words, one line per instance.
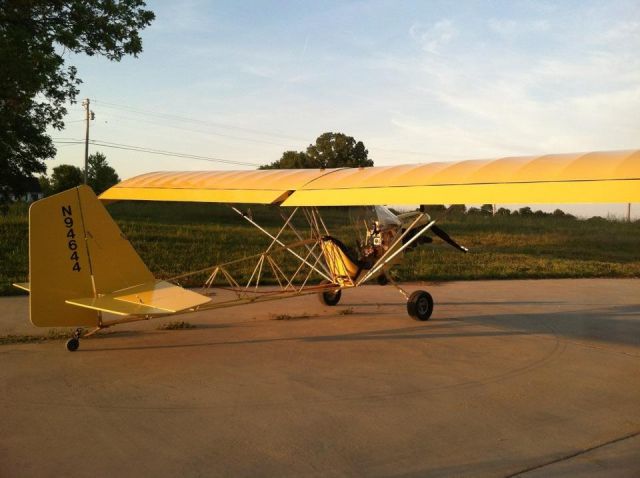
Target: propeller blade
column 446, row 238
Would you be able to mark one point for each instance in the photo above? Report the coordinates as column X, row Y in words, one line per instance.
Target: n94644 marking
column 72, row 244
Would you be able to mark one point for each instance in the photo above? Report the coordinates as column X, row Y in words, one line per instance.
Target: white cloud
column 431, row 39
column 508, row 27
column 488, row 100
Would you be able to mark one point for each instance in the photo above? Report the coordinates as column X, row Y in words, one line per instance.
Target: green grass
column 176, row 238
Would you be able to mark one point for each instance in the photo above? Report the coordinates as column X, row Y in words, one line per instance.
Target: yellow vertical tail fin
column 76, row 250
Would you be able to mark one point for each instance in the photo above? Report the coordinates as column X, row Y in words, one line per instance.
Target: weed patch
column 53, row 334
column 176, row 325
column 292, row 317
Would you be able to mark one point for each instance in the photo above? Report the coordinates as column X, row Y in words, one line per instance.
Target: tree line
column 100, row 176
column 487, row 210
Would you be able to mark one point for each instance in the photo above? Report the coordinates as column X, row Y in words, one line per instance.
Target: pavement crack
column 575, row 454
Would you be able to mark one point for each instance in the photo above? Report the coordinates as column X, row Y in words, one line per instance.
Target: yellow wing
column 255, row 187
column 561, row 178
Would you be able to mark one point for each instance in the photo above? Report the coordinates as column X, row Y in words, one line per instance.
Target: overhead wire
column 164, row 119
column 169, row 116
column 142, row 149
column 191, row 130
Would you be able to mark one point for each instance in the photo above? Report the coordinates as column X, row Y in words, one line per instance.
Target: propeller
column 446, row 238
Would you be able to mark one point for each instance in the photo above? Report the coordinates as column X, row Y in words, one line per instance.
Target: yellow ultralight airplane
column 81, row 265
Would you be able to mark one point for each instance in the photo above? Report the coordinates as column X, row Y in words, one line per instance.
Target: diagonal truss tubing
column 279, row 242
column 245, row 296
column 315, row 242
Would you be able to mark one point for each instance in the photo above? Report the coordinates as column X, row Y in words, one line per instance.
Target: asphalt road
column 526, row 378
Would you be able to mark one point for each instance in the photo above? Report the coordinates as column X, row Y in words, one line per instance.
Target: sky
column 416, row 81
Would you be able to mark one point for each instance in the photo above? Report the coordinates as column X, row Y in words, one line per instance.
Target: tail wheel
column 420, row 305
column 73, row 344
column 329, row 297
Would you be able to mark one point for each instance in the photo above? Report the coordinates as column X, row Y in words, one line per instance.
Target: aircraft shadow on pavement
column 615, row 324
column 618, row 324
column 425, row 332
column 490, row 302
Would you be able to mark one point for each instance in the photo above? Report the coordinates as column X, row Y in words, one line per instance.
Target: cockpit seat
column 342, row 261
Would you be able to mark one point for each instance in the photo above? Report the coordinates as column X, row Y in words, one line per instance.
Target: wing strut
column 384, row 260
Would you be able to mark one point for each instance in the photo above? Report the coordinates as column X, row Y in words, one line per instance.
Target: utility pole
column 628, row 212
column 88, row 117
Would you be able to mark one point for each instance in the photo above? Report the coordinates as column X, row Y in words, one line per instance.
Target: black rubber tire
column 73, row 344
column 382, row 279
column 328, row 297
column 420, row 305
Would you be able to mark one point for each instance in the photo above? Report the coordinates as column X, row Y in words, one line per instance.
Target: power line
column 142, row 149
column 66, row 144
column 210, row 133
column 192, row 120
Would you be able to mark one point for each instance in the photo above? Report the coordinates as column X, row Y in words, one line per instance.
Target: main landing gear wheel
column 329, row 297
column 74, row 342
column 420, row 305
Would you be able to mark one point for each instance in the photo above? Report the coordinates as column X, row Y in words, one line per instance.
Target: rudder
column 76, row 250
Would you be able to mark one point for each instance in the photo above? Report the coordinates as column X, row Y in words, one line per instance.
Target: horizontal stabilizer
column 152, row 298
column 115, row 306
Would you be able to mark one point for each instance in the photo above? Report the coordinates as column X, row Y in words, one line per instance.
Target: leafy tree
column 474, row 211
column 100, row 176
column 337, row 150
column 558, row 213
column 292, row 160
column 457, row 209
column 433, row 209
column 525, row 211
column 331, row 150
column 35, row 83
column 503, row 211
column 65, row 177
column 487, row 209
column 45, row 185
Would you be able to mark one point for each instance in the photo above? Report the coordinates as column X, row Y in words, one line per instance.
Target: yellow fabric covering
column 561, row 178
